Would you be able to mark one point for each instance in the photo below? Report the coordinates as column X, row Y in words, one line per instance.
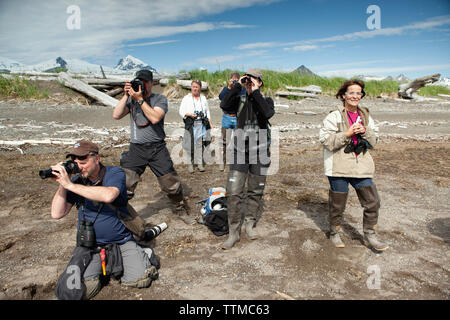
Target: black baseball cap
column 145, row 75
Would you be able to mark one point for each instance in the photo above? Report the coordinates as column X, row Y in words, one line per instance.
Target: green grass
column 274, row 81
column 430, row 91
column 21, row 88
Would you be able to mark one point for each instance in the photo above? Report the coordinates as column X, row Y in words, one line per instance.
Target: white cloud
column 33, row 31
column 144, row 44
column 214, row 60
column 307, row 47
column 383, row 71
column 430, row 24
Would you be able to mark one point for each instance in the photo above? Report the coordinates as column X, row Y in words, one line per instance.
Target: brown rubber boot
column 235, row 191
column 255, row 206
column 370, row 239
column 336, row 207
column 182, row 210
column 370, row 201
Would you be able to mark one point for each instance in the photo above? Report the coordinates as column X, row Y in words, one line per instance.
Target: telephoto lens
column 155, row 231
column 70, row 166
column 86, row 234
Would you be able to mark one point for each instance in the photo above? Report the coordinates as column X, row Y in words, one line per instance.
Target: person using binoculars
column 251, row 156
column 147, row 144
column 194, row 110
column 347, row 134
column 98, row 192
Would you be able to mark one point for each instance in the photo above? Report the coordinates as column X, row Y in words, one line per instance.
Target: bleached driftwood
column 311, row 89
column 295, row 94
column 86, row 89
column 44, row 141
column 284, row 295
column 281, row 106
column 106, row 82
column 407, row 90
column 186, row 84
column 114, row 92
column 103, row 72
column 12, row 76
column 164, row 82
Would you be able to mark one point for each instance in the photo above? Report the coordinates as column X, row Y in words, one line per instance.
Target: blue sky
column 329, row 37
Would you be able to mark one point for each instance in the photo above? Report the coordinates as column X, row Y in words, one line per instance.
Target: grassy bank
column 21, row 88
column 274, row 81
column 430, row 91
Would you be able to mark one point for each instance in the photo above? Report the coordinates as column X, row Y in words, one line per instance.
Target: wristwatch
column 141, row 102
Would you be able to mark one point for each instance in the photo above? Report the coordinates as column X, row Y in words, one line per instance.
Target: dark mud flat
column 293, row 257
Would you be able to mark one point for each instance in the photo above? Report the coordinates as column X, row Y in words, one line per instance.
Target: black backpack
column 217, row 220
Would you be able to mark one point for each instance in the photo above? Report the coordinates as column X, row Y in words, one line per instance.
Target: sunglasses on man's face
column 81, row 158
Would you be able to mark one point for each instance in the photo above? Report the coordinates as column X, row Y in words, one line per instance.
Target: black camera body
column 86, row 234
column 361, row 145
column 135, row 83
column 70, row 166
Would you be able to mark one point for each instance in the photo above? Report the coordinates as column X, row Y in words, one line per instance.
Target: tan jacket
column 337, row 163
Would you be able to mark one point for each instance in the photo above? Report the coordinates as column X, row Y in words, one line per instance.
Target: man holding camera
column 250, row 154
column 147, row 146
column 98, row 192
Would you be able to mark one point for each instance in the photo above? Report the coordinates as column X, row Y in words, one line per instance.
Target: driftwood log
column 186, row 84
column 86, row 89
column 114, row 92
column 295, row 94
column 407, row 90
column 309, row 89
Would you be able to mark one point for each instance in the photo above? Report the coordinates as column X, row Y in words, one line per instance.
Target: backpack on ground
column 214, row 211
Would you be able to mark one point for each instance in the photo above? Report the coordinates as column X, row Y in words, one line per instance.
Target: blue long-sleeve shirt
column 225, row 90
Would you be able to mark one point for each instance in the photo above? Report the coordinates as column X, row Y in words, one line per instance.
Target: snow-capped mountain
column 443, row 82
column 369, row 78
column 127, row 65
column 401, row 78
column 130, row 63
column 8, row 64
column 72, row 65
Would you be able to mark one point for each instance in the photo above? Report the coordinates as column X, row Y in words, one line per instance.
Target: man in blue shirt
column 98, row 191
column 228, row 118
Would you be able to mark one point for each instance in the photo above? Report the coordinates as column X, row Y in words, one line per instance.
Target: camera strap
column 138, row 115
column 350, row 118
column 243, row 100
column 98, row 212
column 195, row 106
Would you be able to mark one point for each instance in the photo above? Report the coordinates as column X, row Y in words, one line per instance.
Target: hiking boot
column 233, row 237
column 370, row 239
column 250, row 230
column 183, row 210
column 200, row 167
column 221, row 167
column 191, row 168
column 336, row 239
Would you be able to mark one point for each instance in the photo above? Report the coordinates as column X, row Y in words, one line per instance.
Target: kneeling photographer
column 104, row 244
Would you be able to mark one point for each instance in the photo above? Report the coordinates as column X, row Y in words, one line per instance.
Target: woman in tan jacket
column 347, row 135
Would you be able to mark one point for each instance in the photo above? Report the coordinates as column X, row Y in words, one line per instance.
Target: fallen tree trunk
column 86, row 89
column 311, row 89
column 407, row 90
column 114, row 92
column 295, row 94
